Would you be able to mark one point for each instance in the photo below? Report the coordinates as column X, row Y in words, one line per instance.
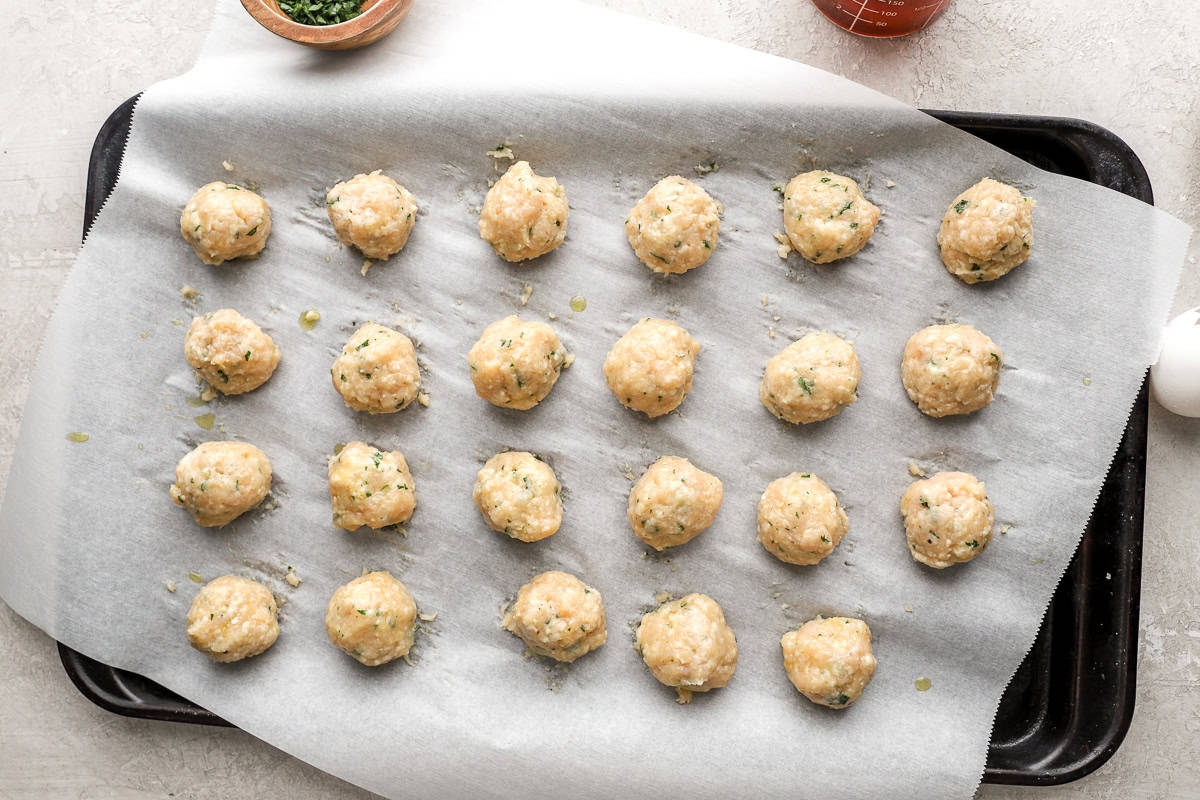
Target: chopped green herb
column 247, row 356
column 959, row 206
column 805, row 384
column 824, row 180
column 321, row 12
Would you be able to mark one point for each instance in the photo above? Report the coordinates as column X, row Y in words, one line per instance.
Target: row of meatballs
column 986, row 231
column 948, row 518
column 686, row 643
column 946, row 369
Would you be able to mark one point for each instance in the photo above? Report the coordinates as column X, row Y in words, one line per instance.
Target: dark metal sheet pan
column 1070, row 703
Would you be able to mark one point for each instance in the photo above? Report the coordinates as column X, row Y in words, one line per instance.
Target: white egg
column 1175, row 377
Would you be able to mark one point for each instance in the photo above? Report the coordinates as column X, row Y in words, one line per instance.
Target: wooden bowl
column 378, row 19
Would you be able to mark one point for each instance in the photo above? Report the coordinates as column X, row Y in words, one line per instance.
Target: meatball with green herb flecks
column 372, row 212
column 233, row 618
column 559, row 616
column 987, row 232
column 650, row 368
column 829, row 660
column 519, row 495
column 826, row 216
column 223, row 221
column 951, row 369
column 811, row 379
column 948, row 519
column 674, row 228
column 377, row 371
column 673, row 502
column 687, row 644
column 524, row 215
column 372, row 618
column 217, row 482
column 230, row 351
column 371, row 487
column 800, row 520
column 515, row 363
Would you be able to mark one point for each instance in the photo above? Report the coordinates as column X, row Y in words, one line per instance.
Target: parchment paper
column 608, row 105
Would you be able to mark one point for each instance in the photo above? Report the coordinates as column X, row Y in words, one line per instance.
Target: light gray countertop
column 1131, row 67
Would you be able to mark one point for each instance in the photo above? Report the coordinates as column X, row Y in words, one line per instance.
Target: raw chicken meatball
column 950, row 369
column 373, row 213
column 673, row 502
column 558, row 615
column 515, row 363
column 233, row 618
column 987, row 231
column 373, row 618
column 800, row 520
column 650, row 368
column 687, row 644
column 219, row 481
column 223, row 222
column 948, row 518
column 377, row 370
column 370, row 487
column 811, row 379
column 826, row 216
column 524, row 215
column 674, row 227
column 829, row 661
column 518, row 494
column 230, row 352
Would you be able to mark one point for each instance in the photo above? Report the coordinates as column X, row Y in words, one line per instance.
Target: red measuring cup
column 881, row 18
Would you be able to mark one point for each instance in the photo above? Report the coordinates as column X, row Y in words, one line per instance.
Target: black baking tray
column 1070, row 703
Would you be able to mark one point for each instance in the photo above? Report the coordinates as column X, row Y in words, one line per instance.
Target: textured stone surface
column 1129, row 67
